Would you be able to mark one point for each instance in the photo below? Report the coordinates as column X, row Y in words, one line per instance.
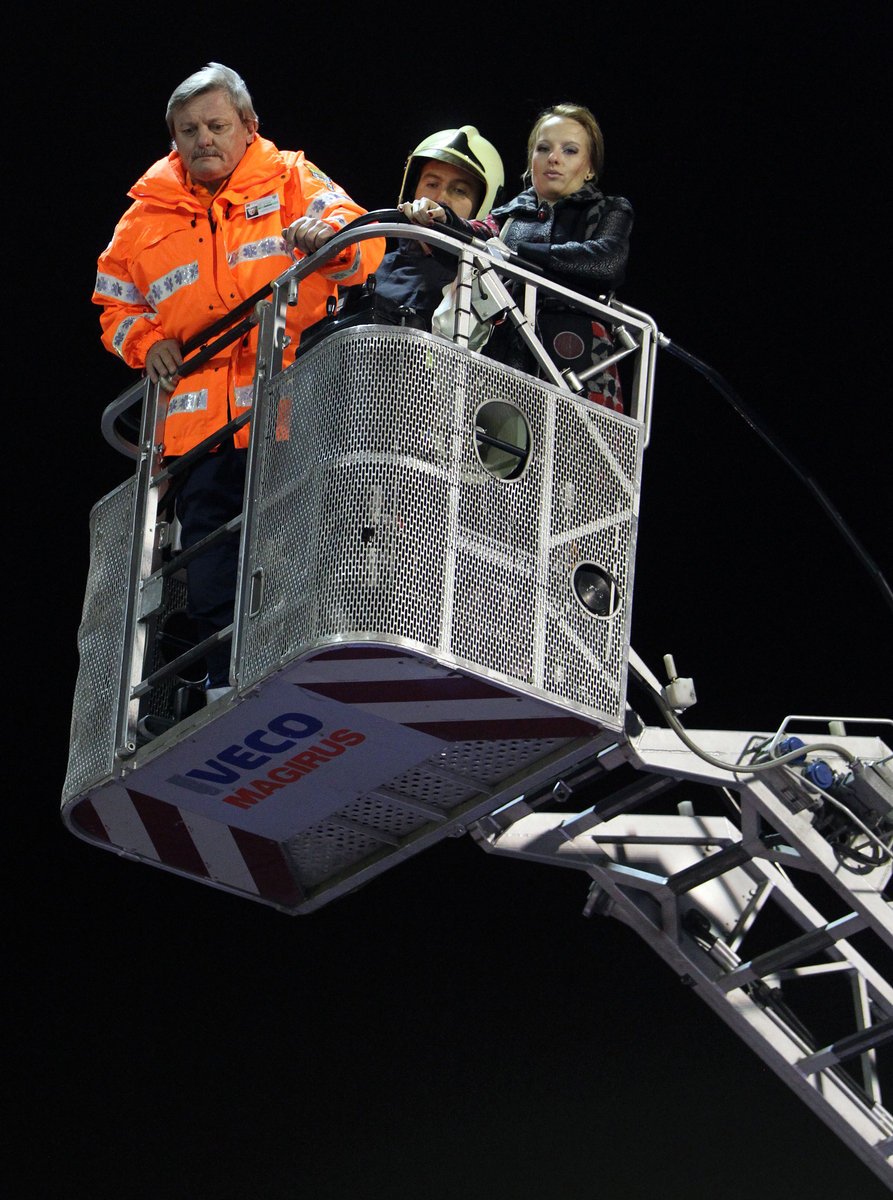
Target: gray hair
column 214, row 77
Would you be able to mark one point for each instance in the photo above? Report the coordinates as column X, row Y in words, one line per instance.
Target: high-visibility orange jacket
column 179, row 259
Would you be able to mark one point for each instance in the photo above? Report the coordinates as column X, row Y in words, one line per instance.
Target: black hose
column 743, row 410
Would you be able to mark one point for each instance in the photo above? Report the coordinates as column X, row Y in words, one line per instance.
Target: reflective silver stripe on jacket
column 125, row 327
column 316, row 206
column 320, row 203
column 119, row 289
column 268, row 247
column 243, row 396
column 349, row 269
column 165, row 286
column 187, row 402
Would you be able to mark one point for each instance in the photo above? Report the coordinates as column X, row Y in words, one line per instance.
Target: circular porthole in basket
column 596, row 589
column 502, row 439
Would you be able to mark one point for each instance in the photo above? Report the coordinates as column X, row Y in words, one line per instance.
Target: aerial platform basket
column 433, row 618
column 431, row 636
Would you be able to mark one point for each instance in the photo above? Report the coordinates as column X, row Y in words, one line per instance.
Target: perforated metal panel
column 101, row 640
column 374, row 517
column 414, row 520
column 435, row 793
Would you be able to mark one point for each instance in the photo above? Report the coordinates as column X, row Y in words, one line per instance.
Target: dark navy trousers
column 210, row 496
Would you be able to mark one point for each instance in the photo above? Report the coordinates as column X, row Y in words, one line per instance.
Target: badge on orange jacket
column 260, row 208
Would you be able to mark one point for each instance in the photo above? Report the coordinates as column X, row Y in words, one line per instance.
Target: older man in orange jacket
column 210, row 224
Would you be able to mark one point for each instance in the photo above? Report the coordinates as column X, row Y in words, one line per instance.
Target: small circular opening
column 502, row 439
column 596, row 589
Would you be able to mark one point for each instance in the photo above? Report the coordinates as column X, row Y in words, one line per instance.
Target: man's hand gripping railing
column 120, row 425
column 490, row 261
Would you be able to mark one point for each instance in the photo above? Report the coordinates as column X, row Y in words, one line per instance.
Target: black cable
column 743, row 410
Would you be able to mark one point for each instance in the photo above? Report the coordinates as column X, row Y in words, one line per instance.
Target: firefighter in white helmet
column 456, row 168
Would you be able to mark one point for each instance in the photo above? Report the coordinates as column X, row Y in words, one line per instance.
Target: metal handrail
column 389, row 223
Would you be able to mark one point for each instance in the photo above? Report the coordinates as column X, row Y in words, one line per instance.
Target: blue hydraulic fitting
column 786, row 745
column 820, row 774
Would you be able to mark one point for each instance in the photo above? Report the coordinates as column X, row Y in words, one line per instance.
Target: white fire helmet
column 463, row 147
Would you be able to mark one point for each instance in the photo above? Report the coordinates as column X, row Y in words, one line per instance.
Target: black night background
column 456, row 1028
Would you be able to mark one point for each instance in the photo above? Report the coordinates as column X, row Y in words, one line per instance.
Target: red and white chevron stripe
column 382, row 687
column 162, row 834
column 432, row 699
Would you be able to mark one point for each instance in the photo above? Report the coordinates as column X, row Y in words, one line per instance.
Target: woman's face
column 561, row 161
